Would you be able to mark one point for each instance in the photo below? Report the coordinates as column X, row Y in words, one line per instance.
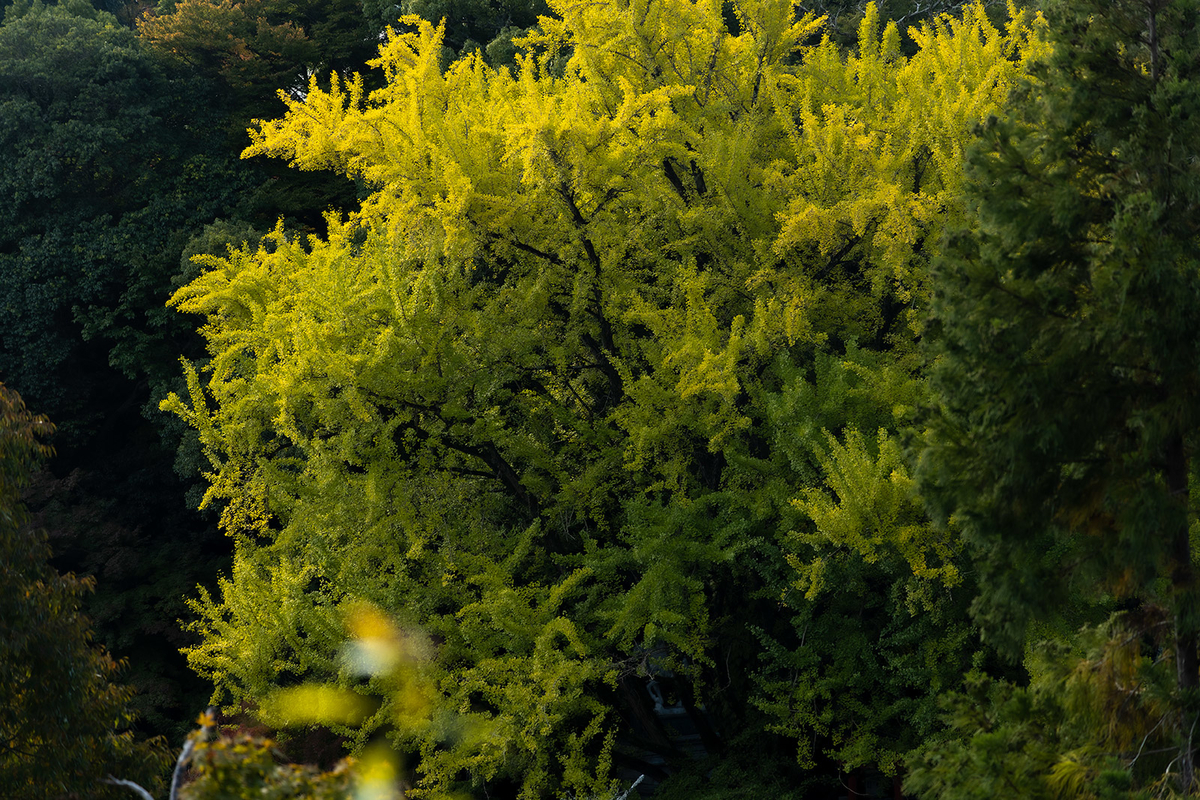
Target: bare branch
column 111, row 781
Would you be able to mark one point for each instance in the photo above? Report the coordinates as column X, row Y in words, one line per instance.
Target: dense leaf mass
column 593, row 389
column 724, row 395
column 1060, row 316
column 101, row 181
column 1065, row 321
column 110, row 167
column 63, row 723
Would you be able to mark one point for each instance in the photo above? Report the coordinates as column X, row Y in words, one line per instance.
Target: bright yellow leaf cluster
column 523, row 394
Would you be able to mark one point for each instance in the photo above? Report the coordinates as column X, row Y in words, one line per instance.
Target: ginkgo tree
column 606, row 371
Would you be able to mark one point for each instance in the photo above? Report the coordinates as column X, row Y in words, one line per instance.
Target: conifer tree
column 1065, row 327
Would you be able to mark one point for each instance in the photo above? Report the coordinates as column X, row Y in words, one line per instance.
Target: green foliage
column 64, row 725
column 243, row 766
column 845, row 16
column 880, row 606
column 1063, row 329
column 98, row 185
column 1060, row 319
column 243, row 55
column 254, row 49
column 603, row 383
column 74, row 8
column 1095, row 721
column 110, row 166
column 471, row 24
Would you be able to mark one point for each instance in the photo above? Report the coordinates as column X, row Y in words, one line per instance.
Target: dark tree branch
column 673, row 179
column 525, row 248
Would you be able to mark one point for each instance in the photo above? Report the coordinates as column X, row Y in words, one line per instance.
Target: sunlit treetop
column 552, row 391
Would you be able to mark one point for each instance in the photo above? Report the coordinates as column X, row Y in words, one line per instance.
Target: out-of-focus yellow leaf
column 378, row 774
column 306, row 705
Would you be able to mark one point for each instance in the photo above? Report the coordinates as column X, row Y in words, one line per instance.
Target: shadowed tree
column 110, row 166
column 63, row 723
column 1065, row 331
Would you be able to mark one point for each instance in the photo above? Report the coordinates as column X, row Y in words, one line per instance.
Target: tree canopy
column 605, row 373
column 660, row 388
column 63, row 723
column 102, row 180
column 256, row 48
column 1064, row 321
column 111, row 167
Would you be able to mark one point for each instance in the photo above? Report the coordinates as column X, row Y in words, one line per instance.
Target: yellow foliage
column 308, row 705
column 876, row 511
column 505, row 391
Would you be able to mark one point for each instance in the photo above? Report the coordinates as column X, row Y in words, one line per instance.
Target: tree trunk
column 1183, row 586
column 1186, row 667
